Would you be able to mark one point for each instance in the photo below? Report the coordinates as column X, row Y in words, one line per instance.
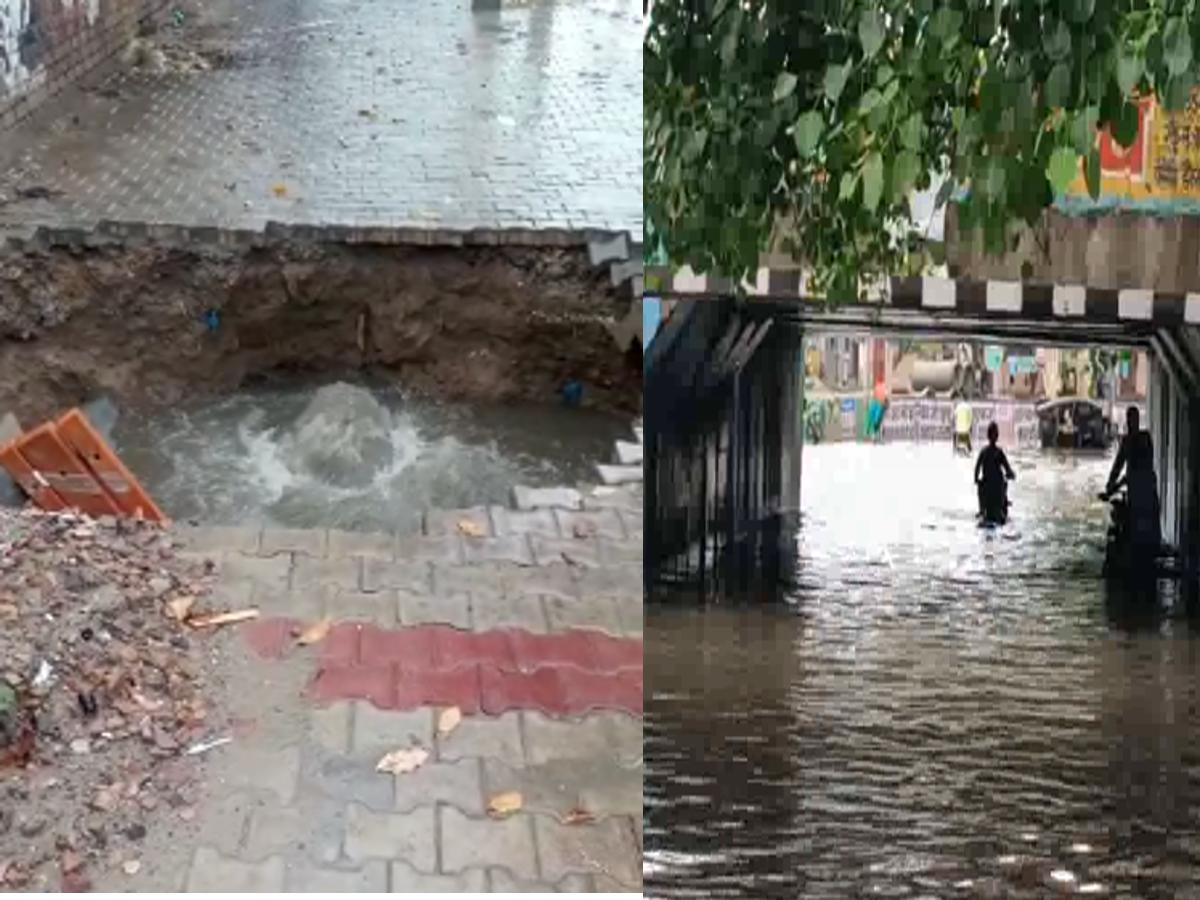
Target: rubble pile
column 102, row 694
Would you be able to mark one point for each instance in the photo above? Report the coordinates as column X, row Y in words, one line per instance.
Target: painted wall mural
column 1160, row 173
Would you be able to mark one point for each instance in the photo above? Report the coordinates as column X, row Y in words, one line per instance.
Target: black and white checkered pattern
column 961, row 296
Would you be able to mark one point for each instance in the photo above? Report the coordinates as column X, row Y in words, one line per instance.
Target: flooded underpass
column 945, row 711
column 358, row 455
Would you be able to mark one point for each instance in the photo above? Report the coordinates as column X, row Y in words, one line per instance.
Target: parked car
column 1074, row 424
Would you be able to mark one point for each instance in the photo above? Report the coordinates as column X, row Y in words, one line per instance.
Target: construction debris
column 102, row 694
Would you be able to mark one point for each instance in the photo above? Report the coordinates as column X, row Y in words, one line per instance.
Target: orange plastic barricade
column 37, row 489
column 65, row 472
column 119, row 483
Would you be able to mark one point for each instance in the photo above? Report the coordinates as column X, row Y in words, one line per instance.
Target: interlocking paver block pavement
column 348, row 112
column 295, row 803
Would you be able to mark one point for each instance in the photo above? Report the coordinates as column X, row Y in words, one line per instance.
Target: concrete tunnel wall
column 1174, row 414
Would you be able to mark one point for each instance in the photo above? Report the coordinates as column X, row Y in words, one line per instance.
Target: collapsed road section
column 159, row 315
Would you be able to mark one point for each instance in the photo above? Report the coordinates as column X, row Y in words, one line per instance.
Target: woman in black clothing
column 1136, row 460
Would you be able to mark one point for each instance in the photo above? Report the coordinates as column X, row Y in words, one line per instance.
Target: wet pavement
column 541, row 657
column 945, row 713
column 354, row 113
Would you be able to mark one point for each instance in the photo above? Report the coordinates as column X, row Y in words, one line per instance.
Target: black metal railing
column 718, row 434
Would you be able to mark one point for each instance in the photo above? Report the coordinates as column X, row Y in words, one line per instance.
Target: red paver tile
column 503, row 691
column 617, row 654
column 411, row 649
column 343, row 645
column 476, row 648
column 270, row 638
column 585, row 691
column 456, row 687
column 375, row 684
column 569, row 648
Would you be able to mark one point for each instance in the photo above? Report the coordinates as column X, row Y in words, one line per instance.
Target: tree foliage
column 810, row 122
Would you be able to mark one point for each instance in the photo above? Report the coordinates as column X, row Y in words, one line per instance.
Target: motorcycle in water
column 1132, row 549
column 993, row 506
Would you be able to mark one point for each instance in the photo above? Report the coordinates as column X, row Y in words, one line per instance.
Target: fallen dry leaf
column 578, row 816
column 131, row 867
column 315, row 633
column 449, row 720
column 402, row 762
column 279, row 190
column 215, row 620
column 584, row 530
column 504, row 805
column 467, row 528
column 180, row 607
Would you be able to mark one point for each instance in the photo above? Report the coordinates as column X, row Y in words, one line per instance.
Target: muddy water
column 945, row 713
column 225, row 462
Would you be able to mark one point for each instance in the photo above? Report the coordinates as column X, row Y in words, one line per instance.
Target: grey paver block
column 628, row 738
column 378, row 731
column 380, row 575
column 622, row 553
column 516, row 612
column 607, row 845
column 515, row 522
column 349, row 779
column 498, row 737
column 423, row 609
column 263, row 769
column 458, row 784
column 273, row 572
column 329, row 727
column 549, row 581
column 302, row 541
column 467, row 522
column 306, row 603
column 618, row 582
column 565, row 551
column 511, row 549
column 598, row 614
column 353, row 543
column 218, row 541
column 634, row 522
column 291, row 830
column 626, row 497
column 469, row 842
column 407, row 837
column 504, row 883
column 305, row 878
column 599, row 523
column 554, row 740
column 555, row 788
column 379, row 607
column 633, row 616
column 484, row 580
column 212, row 873
column 226, row 816
column 446, row 549
column 344, row 572
column 547, row 498
column 407, row 880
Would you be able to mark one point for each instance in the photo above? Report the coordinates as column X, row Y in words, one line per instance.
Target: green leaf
column 911, row 131
column 785, row 86
column 995, row 180
column 1124, row 129
column 1179, row 92
column 694, row 146
column 1064, row 166
column 1130, row 67
column 848, row 186
column 870, row 32
column 1092, row 173
column 870, row 100
column 1058, row 87
column 872, row 178
column 1177, row 46
column 1083, row 129
column 1081, row 11
column 809, row 128
column 835, row 81
column 1057, row 41
column 905, row 170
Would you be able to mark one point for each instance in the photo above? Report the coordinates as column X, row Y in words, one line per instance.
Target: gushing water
column 351, row 457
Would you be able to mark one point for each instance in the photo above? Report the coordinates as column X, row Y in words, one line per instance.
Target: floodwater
column 946, row 712
column 223, row 461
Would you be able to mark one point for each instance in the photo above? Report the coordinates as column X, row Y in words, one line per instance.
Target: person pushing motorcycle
column 1134, row 469
column 992, row 475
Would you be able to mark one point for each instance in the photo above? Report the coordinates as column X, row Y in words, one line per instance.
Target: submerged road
column 947, row 713
column 356, row 113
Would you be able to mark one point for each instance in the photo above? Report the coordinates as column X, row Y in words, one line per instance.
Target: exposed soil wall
column 158, row 322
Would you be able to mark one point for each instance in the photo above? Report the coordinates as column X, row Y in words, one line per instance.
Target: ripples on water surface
column 222, row 461
column 948, row 713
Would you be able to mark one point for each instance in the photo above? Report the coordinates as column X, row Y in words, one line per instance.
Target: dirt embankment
column 159, row 324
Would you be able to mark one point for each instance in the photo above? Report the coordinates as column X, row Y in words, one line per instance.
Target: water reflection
column 947, row 712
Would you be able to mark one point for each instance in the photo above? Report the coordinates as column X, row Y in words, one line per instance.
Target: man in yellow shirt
column 964, row 421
